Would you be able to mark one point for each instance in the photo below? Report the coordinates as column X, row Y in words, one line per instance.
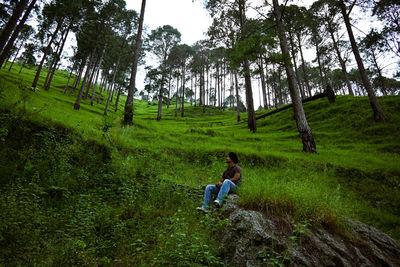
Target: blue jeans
column 223, row 191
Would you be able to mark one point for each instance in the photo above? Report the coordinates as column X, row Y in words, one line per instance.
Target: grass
column 355, row 173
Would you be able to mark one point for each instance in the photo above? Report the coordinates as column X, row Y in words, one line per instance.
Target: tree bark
column 16, row 54
column 57, row 59
column 379, row 115
column 128, row 116
column 301, row 121
column 263, row 84
column 341, row 61
column 7, row 48
column 46, row 51
column 69, row 78
column 303, row 66
column 251, row 118
column 79, row 97
column 237, row 97
column 9, row 27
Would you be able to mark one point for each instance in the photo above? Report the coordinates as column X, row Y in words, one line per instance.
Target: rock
column 256, row 239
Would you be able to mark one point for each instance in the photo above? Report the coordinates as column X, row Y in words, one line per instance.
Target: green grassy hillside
column 80, row 187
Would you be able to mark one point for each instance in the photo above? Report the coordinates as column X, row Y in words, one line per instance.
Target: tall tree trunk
column 78, row 77
column 237, row 97
column 10, row 44
column 320, row 68
column 58, row 57
column 295, row 64
column 117, row 100
column 303, row 66
column 380, row 76
column 263, row 84
column 92, row 73
column 69, row 77
column 379, row 115
column 16, row 55
column 301, row 121
column 169, row 89
column 96, row 80
column 10, row 25
column 112, row 85
column 342, row 63
column 77, row 104
column 160, row 97
column 251, row 118
column 183, row 90
column 103, row 86
column 128, row 116
column 176, row 95
column 46, row 51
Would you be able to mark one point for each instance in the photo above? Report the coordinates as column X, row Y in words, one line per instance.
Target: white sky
column 189, row 17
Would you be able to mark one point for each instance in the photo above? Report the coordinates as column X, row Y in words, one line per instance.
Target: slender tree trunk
column 262, row 77
column 46, row 51
column 77, row 104
column 16, row 54
column 10, row 44
column 69, row 77
column 160, row 97
column 379, row 115
column 78, row 78
column 320, row 68
column 52, row 63
column 237, row 97
column 251, row 118
column 103, row 86
column 183, row 90
column 301, row 121
column 57, row 59
column 23, row 65
column 303, row 66
column 176, row 95
column 117, row 100
column 96, row 80
column 380, row 76
column 89, row 84
column 10, row 25
column 169, row 89
column 342, row 64
column 128, row 116
column 112, row 85
column 294, row 56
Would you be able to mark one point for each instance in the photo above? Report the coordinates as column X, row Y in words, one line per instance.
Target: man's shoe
column 202, row 209
column 217, row 203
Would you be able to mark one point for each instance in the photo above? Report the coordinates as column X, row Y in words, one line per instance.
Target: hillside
column 78, row 187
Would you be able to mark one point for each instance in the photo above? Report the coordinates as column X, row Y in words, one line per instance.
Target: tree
column 161, row 41
column 28, row 56
column 379, row 115
column 128, row 115
column 301, row 121
column 17, row 30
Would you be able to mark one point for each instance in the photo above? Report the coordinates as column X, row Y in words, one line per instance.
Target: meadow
column 78, row 187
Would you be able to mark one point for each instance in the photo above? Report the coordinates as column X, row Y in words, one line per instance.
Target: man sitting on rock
column 231, row 179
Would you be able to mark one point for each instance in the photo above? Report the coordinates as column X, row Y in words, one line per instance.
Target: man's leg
column 210, row 189
column 227, row 186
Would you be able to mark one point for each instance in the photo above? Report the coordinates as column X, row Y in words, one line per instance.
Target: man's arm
column 236, row 177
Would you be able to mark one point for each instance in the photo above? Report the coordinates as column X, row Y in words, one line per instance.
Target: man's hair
column 233, row 157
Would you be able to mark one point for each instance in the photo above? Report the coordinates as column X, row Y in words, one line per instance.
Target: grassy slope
column 355, row 173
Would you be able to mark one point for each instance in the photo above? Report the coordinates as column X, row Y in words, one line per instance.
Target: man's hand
column 219, row 184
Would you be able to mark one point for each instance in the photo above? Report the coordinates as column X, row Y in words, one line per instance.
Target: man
column 231, row 179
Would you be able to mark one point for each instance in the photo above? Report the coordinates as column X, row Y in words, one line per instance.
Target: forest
column 101, row 168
